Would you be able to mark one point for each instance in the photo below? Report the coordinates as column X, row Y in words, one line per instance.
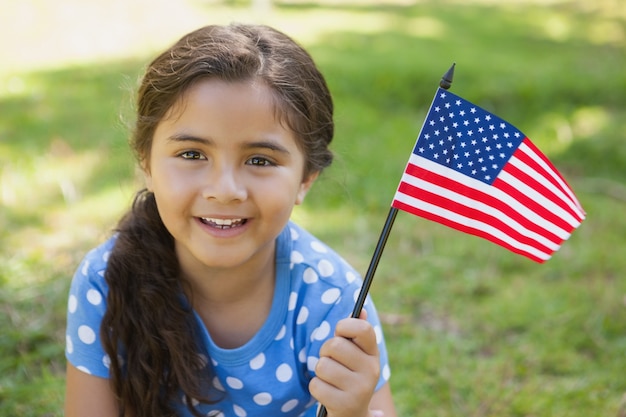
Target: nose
column 225, row 185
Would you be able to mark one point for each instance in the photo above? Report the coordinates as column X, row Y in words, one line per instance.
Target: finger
column 360, row 332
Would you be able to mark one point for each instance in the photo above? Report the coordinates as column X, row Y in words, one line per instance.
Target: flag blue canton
column 466, row 138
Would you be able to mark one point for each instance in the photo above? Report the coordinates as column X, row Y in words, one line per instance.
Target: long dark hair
column 149, row 330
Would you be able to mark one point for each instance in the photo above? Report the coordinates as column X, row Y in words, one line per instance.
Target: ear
column 305, row 186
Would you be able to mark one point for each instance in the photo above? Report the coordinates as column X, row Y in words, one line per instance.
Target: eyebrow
column 263, row 144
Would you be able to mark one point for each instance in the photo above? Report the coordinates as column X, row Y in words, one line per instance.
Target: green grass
column 471, row 329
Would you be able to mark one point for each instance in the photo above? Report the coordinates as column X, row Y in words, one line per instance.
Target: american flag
column 474, row 172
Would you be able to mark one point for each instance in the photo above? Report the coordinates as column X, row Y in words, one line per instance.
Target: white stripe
column 570, row 199
column 487, row 189
column 480, row 206
column 537, row 197
column 465, row 221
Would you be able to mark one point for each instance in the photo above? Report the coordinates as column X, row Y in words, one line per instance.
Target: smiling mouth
column 223, row 223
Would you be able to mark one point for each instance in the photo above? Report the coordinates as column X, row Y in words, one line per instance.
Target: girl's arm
column 88, row 395
column 348, row 371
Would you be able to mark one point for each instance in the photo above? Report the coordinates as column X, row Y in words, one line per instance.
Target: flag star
column 441, row 119
column 462, row 112
column 495, row 136
column 459, row 166
column 436, row 156
column 451, row 115
column 483, row 169
column 499, row 145
column 474, row 142
column 502, row 155
column 474, row 172
column 506, row 135
column 437, row 108
column 455, row 125
column 491, row 127
column 488, row 148
column 517, row 135
column 431, row 146
column 477, row 120
column 421, row 150
column 502, row 126
column 442, row 95
column 480, row 160
column 491, row 157
column 488, row 117
column 436, row 133
column 470, row 133
column 473, row 110
column 470, row 163
column 432, row 122
column 459, row 134
column 494, row 166
column 485, row 139
column 458, row 102
column 448, row 161
column 449, row 138
column 455, row 156
column 447, row 105
column 445, row 151
column 426, row 136
column 441, row 142
column 466, row 154
column 487, row 177
column 477, row 151
column 463, row 145
column 465, row 122
column 481, row 130
column 509, row 144
column 445, row 128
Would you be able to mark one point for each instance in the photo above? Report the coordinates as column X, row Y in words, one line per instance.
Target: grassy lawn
column 472, row 329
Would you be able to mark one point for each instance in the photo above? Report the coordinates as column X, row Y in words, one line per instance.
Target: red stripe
column 471, row 213
column 470, row 230
column 492, row 201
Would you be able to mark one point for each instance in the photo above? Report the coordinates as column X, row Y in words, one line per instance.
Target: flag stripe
column 534, row 158
column 525, row 212
column 451, row 219
column 474, row 203
column 475, row 213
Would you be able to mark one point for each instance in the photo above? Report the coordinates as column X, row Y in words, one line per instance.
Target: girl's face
column 225, row 174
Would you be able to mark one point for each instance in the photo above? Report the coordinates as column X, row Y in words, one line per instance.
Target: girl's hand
column 348, row 370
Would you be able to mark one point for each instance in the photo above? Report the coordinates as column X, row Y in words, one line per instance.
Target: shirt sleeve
column 85, row 308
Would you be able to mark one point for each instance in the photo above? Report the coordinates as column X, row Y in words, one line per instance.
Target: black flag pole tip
column 446, row 80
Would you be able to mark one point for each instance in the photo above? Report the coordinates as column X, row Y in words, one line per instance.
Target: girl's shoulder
column 314, row 259
column 91, row 269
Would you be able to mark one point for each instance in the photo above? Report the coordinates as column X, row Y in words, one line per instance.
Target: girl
column 209, row 301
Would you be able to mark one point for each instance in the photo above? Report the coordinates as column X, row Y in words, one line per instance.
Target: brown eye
column 191, row 155
column 259, row 161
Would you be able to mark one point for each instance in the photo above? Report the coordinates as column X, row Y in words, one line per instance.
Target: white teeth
column 222, row 222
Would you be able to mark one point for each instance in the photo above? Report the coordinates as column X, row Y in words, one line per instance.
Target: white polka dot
column 218, row 384
column 86, row 335
column 289, row 405
column 234, row 383
column 203, row 361
column 386, row 373
column 69, row 345
column 331, row 296
column 379, row 334
column 85, row 269
column 296, row 257
column 311, row 363
column 215, row 414
column 101, row 273
column 350, row 276
column 239, row 412
column 281, row 333
column 291, row 344
column 309, row 276
column 326, row 268
column 303, row 315
column 94, row 297
column 72, row 304
column 106, row 361
column 294, row 234
column 318, row 246
column 284, row 373
column 214, row 362
column 262, row 398
column 258, row 362
column 293, row 300
column 105, row 255
column 321, row 332
column 83, row 369
column 302, row 355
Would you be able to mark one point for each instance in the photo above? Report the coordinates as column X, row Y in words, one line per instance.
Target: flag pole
column 445, row 83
